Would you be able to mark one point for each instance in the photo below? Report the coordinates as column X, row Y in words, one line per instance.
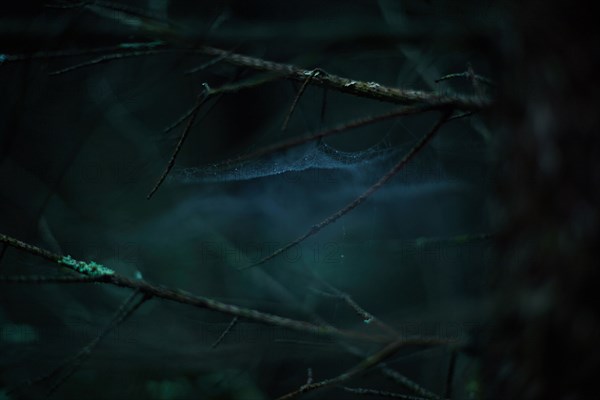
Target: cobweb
column 315, row 155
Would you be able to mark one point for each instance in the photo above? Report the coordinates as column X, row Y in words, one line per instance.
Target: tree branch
column 183, row 297
column 370, row 90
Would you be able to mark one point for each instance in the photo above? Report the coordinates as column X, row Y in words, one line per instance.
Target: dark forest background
column 487, row 237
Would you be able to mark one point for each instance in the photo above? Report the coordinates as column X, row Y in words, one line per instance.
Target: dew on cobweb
column 316, row 155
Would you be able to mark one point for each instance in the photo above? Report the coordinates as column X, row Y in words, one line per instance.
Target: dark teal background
column 80, row 151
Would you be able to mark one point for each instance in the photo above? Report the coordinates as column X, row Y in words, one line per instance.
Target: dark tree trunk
column 544, row 341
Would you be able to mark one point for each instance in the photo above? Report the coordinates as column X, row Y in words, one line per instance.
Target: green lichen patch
column 90, row 269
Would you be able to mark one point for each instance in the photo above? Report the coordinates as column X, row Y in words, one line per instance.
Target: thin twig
column 225, row 332
column 108, row 57
column 31, row 249
column 407, row 383
column 388, row 372
column 466, row 75
column 225, row 89
column 125, row 311
column 138, row 12
column 200, row 100
column 125, row 14
column 366, row 316
column 286, row 121
column 70, row 365
column 450, row 375
column 360, row 199
column 245, row 84
column 207, row 64
column 461, row 115
column 323, row 108
column 360, row 368
column 396, row 376
column 357, row 123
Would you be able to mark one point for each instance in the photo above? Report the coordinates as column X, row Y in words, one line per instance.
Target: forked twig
column 366, row 316
column 360, row 368
column 388, row 372
column 450, row 375
column 360, row 199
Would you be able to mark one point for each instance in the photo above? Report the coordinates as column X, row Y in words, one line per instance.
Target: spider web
column 316, row 155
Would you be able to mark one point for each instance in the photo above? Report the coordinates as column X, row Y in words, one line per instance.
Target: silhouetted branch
column 366, row 364
column 359, row 200
column 371, row 90
column 183, row 297
column 200, row 100
column 357, row 123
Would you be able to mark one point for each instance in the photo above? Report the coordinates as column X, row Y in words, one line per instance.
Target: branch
column 357, row 123
column 370, row 90
column 183, row 297
column 199, row 102
column 366, row 364
column 360, row 199
column 407, row 383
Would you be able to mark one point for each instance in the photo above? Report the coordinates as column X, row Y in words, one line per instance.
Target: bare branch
column 370, row 90
column 359, row 200
column 180, row 296
column 357, row 123
column 201, row 99
column 360, row 368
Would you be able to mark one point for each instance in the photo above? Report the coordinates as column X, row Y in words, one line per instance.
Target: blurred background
column 81, row 149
